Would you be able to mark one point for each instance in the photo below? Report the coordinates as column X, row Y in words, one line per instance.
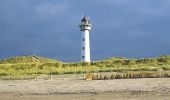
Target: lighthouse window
column 83, row 48
column 83, row 57
column 83, row 39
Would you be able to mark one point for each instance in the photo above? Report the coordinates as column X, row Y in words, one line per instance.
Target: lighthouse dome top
column 85, row 19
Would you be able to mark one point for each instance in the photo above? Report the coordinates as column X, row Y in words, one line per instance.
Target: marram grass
column 126, row 75
column 23, row 66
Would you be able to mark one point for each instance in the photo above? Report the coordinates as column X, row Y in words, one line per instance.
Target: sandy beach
column 78, row 89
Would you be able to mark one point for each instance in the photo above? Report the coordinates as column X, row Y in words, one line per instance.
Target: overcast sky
column 49, row 28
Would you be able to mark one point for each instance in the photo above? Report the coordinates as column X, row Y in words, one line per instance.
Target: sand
column 78, row 89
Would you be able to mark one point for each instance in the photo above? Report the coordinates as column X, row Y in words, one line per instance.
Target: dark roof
column 85, row 18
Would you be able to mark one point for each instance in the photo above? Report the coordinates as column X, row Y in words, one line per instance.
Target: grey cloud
column 129, row 28
column 47, row 9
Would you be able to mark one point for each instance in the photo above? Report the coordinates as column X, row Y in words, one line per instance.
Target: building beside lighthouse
column 85, row 27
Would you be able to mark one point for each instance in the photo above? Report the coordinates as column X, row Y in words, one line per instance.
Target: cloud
column 130, row 28
column 49, row 9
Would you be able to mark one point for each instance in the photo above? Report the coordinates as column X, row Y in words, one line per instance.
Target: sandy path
column 101, row 96
column 157, row 87
column 161, row 85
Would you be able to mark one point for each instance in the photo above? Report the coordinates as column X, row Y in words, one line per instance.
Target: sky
column 50, row 28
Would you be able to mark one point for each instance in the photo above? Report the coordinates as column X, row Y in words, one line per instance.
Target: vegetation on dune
column 27, row 59
column 36, row 65
column 127, row 75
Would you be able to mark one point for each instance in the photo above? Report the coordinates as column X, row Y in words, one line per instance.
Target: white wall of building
column 85, row 50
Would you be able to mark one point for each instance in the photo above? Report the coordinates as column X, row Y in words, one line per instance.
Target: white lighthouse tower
column 85, row 27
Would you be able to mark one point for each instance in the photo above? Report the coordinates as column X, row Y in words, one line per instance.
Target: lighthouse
column 85, row 27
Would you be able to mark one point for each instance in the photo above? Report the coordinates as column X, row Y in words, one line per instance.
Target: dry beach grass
column 127, row 75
